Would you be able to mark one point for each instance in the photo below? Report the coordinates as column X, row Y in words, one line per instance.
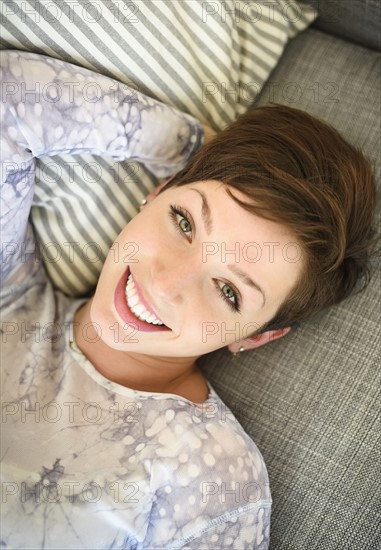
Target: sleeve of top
column 50, row 107
column 247, row 531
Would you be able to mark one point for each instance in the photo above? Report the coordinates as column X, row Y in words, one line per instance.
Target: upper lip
column 143, row 300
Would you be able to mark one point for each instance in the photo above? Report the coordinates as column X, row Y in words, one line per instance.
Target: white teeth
column 133, row 300
column 136, row 307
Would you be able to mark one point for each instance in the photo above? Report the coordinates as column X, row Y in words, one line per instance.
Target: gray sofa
column 311, row 401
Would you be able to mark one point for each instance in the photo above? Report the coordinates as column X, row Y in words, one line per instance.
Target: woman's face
column 197, row 262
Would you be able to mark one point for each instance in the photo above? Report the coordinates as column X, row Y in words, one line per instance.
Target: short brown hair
column 298, row 171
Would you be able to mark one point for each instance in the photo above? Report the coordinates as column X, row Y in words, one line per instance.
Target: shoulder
column 215, row 487
column 215, row 454
column 226, row 443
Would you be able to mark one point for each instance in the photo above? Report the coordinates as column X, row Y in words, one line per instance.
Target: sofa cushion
column 311, row 401
column 356, row 20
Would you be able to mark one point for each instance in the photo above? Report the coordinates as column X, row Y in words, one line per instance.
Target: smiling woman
column 184, row 290
column 141, row 452
column 297, row 171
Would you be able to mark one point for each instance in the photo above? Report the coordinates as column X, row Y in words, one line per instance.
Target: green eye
column 229, row 293
column 185, row 225
column 229, row 296
column 181, row 222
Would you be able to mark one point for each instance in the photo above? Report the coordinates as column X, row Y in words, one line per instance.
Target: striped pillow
column 207, row 58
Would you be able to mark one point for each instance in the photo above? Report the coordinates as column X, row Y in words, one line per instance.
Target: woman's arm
column 51, row 107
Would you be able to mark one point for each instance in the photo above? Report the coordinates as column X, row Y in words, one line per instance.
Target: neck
column 137, row 371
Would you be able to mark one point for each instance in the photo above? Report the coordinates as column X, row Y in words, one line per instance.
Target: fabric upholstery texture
column 311, row 400
column 198, row 56
column 354, row 20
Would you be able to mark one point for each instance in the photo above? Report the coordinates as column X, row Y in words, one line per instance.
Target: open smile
column 138, row 304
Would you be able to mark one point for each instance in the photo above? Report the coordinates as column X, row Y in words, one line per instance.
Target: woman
column 112, row 436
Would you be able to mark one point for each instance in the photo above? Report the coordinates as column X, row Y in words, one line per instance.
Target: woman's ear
column 156, row 191
column 259, row 340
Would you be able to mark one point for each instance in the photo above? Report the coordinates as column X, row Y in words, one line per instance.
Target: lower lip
column 125, row 312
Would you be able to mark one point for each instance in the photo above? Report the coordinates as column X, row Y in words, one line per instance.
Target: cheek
column 145, row 233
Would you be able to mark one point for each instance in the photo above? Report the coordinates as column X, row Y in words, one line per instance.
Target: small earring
column 143, row 203
column 236, row 353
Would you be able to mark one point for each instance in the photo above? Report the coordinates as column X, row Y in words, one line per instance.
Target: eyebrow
column 205, row 211
column 207, row 220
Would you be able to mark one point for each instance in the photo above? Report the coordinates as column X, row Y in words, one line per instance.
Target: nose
column 172, row 275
